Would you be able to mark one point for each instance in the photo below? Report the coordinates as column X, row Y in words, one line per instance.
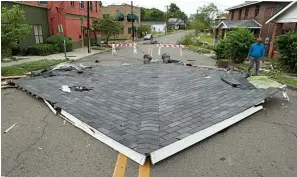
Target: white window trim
column 80, row 4
column 38, row 34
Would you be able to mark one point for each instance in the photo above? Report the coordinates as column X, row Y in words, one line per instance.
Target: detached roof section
column 247, row 3
column 286, row 15
column 229, row 24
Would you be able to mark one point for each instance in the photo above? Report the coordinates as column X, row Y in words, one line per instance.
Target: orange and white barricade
column 170, row 46
column 113, row 50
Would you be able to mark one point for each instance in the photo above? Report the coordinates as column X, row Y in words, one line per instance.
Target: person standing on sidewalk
column 256, row 53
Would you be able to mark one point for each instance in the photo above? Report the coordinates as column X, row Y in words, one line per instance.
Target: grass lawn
column 286, row 80
column 21, row 69
column 157, row 34
column 208, row 39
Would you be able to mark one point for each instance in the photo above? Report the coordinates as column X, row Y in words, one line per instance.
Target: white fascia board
column 182, row 144
column 135, row 156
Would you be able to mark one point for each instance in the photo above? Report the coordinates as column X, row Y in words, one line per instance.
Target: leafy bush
column 221, row 49
column 236, row 46
column 58, row 40
column 239, row 43
column 42, row 49
column 287, row 46
column 186, row 40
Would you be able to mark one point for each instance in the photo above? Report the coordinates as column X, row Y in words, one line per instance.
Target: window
column 43, row 2
column 96, row 4
column 257, row 11
column 91, row 5
column 129, row 30
column 239, row 14
column 38, row 34
column 232, row 15
column 246, row 13
column 72, row 3
column 81, row 4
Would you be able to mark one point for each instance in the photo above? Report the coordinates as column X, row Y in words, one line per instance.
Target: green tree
column 144, row 28
column 152, row 14
column 13, row 31
column 175, row 12
column 108, row 26
column 204, row 17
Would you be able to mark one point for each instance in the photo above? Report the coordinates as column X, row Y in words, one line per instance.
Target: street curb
column 89, row 56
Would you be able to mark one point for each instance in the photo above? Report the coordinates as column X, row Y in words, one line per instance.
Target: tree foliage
column 144, row 28
column 152, row 14
column 287, row 46
column 13, row 31
column 108, row 26
column 175, row 12
column 204, row 17
column 236, row 45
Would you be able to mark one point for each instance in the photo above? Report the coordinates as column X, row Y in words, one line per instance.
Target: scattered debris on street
column 10, row 128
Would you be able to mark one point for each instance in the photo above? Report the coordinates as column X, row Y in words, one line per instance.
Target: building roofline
column 222, row 22
column 242, row 5
column 119, row 5
column 21, row 3
column 257, row 23
column 281, row 11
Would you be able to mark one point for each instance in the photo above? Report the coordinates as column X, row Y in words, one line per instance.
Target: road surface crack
column 277, row 123
column 39, row 138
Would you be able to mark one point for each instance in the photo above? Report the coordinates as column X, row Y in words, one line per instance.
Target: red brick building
column 254, row 15
column 71, row 16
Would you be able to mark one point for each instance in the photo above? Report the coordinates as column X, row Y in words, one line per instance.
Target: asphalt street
column 41, row 144
column 125, row 55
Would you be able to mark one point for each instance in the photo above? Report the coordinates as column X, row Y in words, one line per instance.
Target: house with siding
column 157, row 26
column 69, row 18
column 254, row 15
column 36, row 17
column 124, row 14
column 176, row 23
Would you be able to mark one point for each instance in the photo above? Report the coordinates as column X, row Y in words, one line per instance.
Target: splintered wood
column 6, row 82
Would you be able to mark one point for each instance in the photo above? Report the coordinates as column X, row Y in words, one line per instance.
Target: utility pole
column 132, row 21
column 166, row 20
column 88, row 19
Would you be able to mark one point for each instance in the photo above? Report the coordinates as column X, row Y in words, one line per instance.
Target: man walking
column 256, row 53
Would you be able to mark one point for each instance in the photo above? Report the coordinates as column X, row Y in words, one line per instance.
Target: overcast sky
column 187, row 6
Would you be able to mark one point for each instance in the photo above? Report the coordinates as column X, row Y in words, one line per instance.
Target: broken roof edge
column 133, row 155
column 184, row 143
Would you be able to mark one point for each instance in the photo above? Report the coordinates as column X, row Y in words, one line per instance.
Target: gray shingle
column 145, row 113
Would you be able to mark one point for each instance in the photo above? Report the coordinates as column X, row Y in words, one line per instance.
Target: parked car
column 148, row 37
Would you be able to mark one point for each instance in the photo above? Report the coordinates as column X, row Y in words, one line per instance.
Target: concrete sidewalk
column 76, row 54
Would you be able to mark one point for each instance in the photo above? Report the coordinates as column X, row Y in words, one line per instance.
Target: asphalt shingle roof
column 239, row 23
column 146, row 107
